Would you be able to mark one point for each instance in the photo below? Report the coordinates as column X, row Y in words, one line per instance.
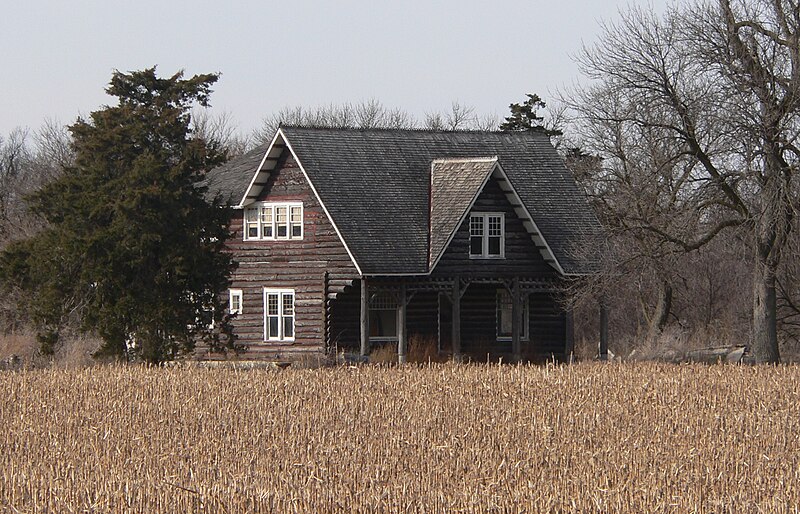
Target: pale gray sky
column 57, row 56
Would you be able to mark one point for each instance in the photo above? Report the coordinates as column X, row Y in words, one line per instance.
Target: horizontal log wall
column 287, row 264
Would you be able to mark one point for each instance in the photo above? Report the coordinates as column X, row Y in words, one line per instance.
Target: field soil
column 635, row 437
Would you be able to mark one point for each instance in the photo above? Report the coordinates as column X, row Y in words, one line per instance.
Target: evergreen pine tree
column 525, row 116
column 133, row 250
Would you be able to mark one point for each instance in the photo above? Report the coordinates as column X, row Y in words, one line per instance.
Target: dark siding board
column 478, row 313
column 345, row 325
column 548, row 325
column 298, row 265
column 422, row 318
column 522, row 258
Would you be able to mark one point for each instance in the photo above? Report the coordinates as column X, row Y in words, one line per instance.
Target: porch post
column 516, row 321
column 364, row 316
column 401, row 326
column 569, row 334
column 603, row 353
column 456, row 336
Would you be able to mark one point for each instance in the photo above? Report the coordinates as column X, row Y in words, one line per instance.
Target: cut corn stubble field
column 477, row 438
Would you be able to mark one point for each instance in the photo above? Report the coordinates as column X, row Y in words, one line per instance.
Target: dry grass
column 421, row 350
column 20, row 344
column 639, row 437
column 75, row 350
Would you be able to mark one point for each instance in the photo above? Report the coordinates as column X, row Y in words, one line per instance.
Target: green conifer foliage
column 134, row 249
column 525, row 116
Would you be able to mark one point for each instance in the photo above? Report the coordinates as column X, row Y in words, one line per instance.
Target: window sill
column 383, row 339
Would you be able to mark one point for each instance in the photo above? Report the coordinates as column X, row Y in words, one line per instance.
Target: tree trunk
column 764, row 346
column 663, row 309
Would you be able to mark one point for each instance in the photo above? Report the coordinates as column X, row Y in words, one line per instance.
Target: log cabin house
column 346, row 239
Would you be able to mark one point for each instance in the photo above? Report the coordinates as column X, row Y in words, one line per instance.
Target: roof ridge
column 407, row 129
column 445, row 160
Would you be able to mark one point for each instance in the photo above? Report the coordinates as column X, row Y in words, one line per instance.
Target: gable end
column 260, row 179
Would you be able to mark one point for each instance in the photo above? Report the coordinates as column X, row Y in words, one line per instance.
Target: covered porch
column 514, row 319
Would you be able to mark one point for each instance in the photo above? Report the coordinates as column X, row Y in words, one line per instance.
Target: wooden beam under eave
column 516, row 321
column 364, row 317
column 456, row 334
column 402, row 343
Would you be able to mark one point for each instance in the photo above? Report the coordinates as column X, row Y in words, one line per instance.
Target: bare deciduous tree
column 367, row 114
column 713, row 90
column 219, row 129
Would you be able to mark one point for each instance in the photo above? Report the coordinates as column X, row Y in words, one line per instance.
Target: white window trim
column 524, row 329
column 235, row 293
column 280, row 293
column 257, row 206
column 485, row 243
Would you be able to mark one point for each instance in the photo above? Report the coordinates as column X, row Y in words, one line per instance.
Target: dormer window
column 487, row 235
column 270, row 221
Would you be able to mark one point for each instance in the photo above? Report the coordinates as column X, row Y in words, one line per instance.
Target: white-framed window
column 383, row 317
column 504, row 318
column 273, row 220
column 235, row 301
column 487, row 235
column 278, row 314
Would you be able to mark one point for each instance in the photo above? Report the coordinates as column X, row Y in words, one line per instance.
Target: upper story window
column 272, row 220
column 487, row 235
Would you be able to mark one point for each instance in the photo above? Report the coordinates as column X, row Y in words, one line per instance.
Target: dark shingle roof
column 231, row 179
column 455, row 183
column 376, row 186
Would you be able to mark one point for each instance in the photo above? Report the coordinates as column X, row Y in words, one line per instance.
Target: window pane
column 503, row 313
column 383, row 300
column 288, row 304
column 495, row 226
column 476, row 245
column 236, row 302
column 272, row 304
column 476, row 225
column 273, row 327
column 266, row 222
column 252, row 231
column 288, row 327
column 251, row 214
column 383, row 323
column 494, row 246
column 297, row 214
column 281, row 220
